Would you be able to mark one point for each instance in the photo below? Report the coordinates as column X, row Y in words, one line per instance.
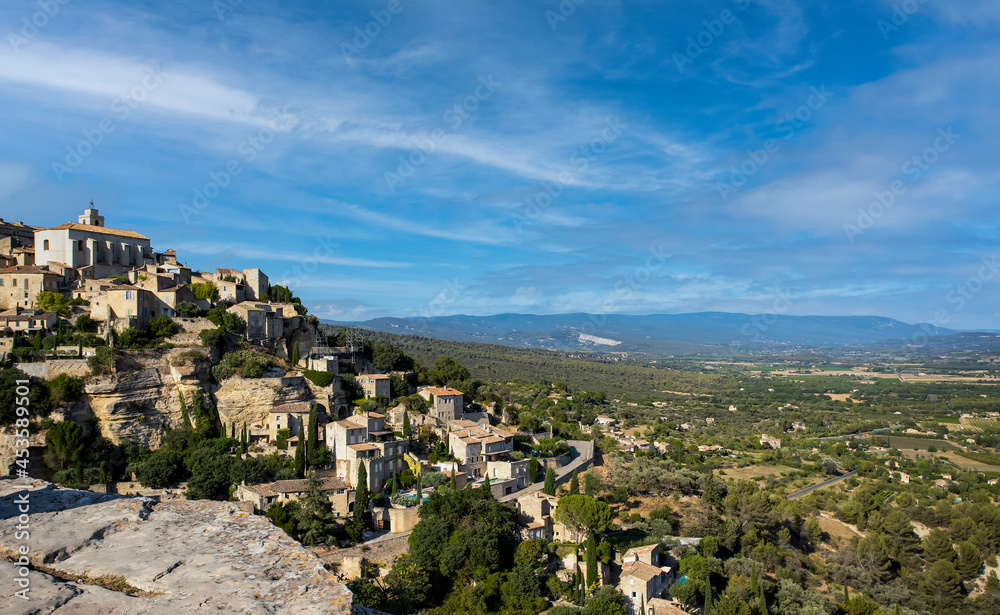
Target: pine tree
column 185, row 417
column 550, row 482
column 591, row 560
column 300, row 454
column 314, row 516
column 313, row 438
column 970, row 560
column 574, row 487
column 406, row 425
column 295, row 354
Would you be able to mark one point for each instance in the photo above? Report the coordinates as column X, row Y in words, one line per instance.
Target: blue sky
column 430, row 158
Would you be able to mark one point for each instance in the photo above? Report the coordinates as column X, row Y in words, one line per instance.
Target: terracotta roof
column 664, row 607
column 103, row 230
column 362, row 447
column 263, row 489
column 31, row 269
column 438, row 391
column 492, row 440
column 377, row 376
column 349, row 424
column 642, row 571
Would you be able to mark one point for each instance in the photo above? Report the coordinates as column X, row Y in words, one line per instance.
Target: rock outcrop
column 250, row 399
column 95, row 553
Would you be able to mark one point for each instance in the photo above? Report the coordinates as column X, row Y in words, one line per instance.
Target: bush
column 133, row 338
column 205, row 290
column 187, row 309
column 320, row 379
column 103, row 361
column 65, row 388
column 162, row 327
column 85, row 324
column 248, row 364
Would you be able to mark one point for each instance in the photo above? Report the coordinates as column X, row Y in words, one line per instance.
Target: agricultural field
column 918, row 444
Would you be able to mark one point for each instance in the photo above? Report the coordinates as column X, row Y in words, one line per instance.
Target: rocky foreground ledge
column 116, row 555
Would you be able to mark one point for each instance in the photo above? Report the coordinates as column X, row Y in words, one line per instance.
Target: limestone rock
column 178, row 556
column 250, row 399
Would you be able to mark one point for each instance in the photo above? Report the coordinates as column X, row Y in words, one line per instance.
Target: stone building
column 20, row 285
column 375, row 385
column 264, row 322
column 91, row 248
column 446, row 404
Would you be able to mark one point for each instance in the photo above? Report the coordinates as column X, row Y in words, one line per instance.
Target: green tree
column 63, row 445
column 872, row 554
column 591, row 484
column 574, row 485
column 970, row 560
column 295, row 354
column 300, row 453
column 210, row 475
column 360, row 514
column 103, row 361
column 533, row 466
column 244, row 439
column 607, row 601
column 162, row 326
column 53, row 302
column 583, row 513
column 406, row 425
column 162, row 468
column 591, row 548
column 708, row 610
column 313, row 438
column 448, row 370
column 937, row 546
column 550, row 482
column 314, row 519
column 205, row 290
column 942, row 583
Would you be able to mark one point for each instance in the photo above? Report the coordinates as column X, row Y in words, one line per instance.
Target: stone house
column 28, row 321
column 768, row 441
column 122, row 306
column 291, row 416
column 446, row 404
column 509, row 470
column 91, row 248
column 20, row 285
column 264, row 322
column 474, row 447
column 264, row 495
column 363, row 439
column 534, row 519
column 641, row 582
column 375, row 386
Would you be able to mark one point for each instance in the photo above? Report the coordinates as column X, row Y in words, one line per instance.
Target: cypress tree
column 708, row 596
column 232, row 429
column 550, row 482
column 642, row 604
column 533, row 470
column 406, row 425
column 420, row 490
column 313, row 438
column 360, row 512
column 591, row 560
column 185, row 417
column 295, row 354
column 574, row 489
column 395, row 485
column 487, row 488
column 454, row 471
column 244, row 438
column 300, row 454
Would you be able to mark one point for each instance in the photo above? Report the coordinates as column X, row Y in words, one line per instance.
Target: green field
column 919, row 444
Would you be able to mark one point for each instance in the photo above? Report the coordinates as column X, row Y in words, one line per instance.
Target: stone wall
column 52, row 368
column 344, row 562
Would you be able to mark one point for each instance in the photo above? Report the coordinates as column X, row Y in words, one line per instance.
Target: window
column 13, row 282
column 79, row 246
column 45, row 244
column 129, row 294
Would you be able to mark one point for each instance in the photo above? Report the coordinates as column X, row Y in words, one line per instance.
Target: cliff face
column 137, row 404
column 89, row 552
column 250, row 399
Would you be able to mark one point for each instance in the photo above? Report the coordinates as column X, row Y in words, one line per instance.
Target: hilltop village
column 429, row 484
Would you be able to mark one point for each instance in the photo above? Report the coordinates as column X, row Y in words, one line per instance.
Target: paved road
column 825, row 483
column 580, row 452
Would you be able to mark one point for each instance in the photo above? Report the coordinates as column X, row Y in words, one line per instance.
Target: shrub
column 65, row 388
column 187, row 309
column 85, row 324
column 320, row 379
column 248, row 364
column 103, row 361
column 133, row 338
column 162, row 326
column 205, row 290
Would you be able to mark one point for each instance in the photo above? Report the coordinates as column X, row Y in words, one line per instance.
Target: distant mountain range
column 700, row 332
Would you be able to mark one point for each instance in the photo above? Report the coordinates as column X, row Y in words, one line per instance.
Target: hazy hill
column 657, row 333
